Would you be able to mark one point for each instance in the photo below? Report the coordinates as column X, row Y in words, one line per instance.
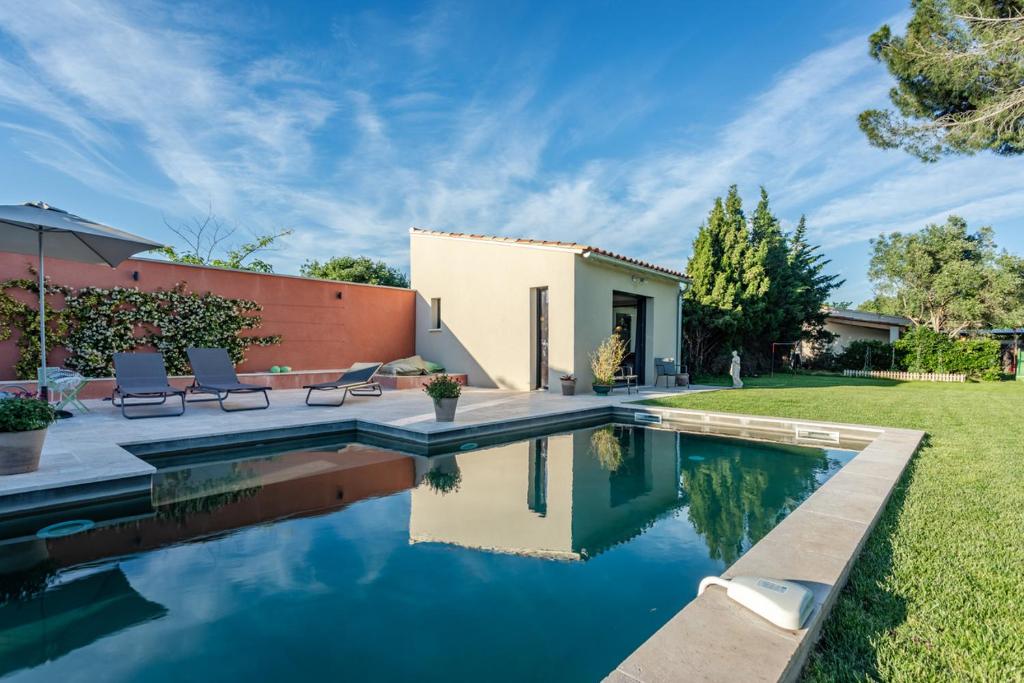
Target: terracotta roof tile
column 582, row 248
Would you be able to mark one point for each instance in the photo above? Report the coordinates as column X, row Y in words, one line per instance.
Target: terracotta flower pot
column 444, row 409
column 19, row 451
column 568, row 387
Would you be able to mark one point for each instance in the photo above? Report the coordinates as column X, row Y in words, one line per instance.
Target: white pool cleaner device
column 784, row 603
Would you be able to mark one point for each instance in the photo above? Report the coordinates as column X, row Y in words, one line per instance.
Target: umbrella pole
column 44, row 391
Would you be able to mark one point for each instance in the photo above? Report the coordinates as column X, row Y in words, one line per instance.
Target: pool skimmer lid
column 68, row 528
column 784, row 603
column 468, row 446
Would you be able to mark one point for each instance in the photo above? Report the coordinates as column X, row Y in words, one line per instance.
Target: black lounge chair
column 357, row 380
column 215, row 374
column 142, row 376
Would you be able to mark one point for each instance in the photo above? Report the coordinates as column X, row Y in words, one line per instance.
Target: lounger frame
column 356, row 389
column 117, row 393
column 146, row 371
column 226, row 383
column 359, row 387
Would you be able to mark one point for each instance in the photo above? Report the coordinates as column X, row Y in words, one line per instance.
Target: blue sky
column 607, row 123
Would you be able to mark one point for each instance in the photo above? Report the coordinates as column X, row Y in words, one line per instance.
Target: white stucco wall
column 595, row 283
column 486, row 292
column 848, row 333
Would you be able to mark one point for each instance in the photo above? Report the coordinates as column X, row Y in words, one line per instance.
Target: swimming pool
column 551, row 557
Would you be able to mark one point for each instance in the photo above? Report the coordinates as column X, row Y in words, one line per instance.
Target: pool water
column 549, row 558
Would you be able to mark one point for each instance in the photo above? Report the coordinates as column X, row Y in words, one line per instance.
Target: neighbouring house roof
column 581, row 249
column 852, row 317
column 996, row 332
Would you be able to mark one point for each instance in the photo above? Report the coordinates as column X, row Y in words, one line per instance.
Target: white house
column 518, row 313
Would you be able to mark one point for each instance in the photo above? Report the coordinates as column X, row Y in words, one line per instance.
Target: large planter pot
column 601, row 389
column 568, row 387
column 444, row 409
column 683, row 379
column 19, row 451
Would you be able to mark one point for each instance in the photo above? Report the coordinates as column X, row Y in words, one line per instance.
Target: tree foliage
column 959, row 74
column 751, row 284
column 355, row 269
column 947, row 278
column 204, row 237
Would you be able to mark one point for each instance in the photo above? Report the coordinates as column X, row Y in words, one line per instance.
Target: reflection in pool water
column 550, row 557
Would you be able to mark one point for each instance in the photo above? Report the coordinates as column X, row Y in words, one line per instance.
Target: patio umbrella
column 35, row 227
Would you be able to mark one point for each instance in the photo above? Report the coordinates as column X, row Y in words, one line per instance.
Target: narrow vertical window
column 435, row 314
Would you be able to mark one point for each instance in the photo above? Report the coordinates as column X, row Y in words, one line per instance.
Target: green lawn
column 938, row 592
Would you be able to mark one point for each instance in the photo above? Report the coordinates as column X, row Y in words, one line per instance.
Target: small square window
column 435, row 314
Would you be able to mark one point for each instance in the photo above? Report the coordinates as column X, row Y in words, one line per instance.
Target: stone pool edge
column 713, row 638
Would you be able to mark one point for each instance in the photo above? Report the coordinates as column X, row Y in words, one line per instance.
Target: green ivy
column 15, row 314
column 95, row 323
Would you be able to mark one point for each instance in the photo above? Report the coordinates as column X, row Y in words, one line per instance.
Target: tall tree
column 713, row 301
column 944, row 277
column 811, row 285
column 751, row 285
column 959, row 74
column 355, row 269
column 776, row 317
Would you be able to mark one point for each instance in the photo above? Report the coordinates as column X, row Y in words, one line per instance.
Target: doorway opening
column 629, row 321
column 540, row 324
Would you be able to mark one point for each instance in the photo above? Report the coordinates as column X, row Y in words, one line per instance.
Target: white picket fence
column 915, row 376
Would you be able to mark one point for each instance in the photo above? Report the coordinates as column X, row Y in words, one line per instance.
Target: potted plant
column 605, row 362
column 568, row 385
column 23, row 425
column 445, row 391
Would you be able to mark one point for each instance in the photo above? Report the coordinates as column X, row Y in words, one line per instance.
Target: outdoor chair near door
column 625, row 376
column 667, row 368
column 357, row 380
column 215, row 374
column 143, row 378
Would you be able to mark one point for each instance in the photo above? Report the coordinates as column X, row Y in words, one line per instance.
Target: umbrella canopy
column 35, row 228
column 67, row 236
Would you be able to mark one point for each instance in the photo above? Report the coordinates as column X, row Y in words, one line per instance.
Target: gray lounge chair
column 215, row 374
column 143, row 376
column 357, row 380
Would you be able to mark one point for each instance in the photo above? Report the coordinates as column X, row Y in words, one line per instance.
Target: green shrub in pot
column 445, row 391
column 605, row 362
column 23, row 425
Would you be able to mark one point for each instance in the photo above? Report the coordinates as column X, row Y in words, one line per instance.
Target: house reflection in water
column 554, row 496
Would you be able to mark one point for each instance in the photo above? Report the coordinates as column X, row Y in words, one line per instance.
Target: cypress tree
column 751, row 285
column 812, row 286
column 712, row 303
column 778, row 315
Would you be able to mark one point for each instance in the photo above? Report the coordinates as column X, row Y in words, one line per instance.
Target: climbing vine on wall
column 15, row 314
column 95, row 323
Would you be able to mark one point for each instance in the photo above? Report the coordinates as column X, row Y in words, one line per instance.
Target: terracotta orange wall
column 320, row 331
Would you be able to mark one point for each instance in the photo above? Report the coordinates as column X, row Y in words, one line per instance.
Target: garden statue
column 734, row 370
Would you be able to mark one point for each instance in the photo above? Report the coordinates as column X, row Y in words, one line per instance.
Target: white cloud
column 351, row 157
